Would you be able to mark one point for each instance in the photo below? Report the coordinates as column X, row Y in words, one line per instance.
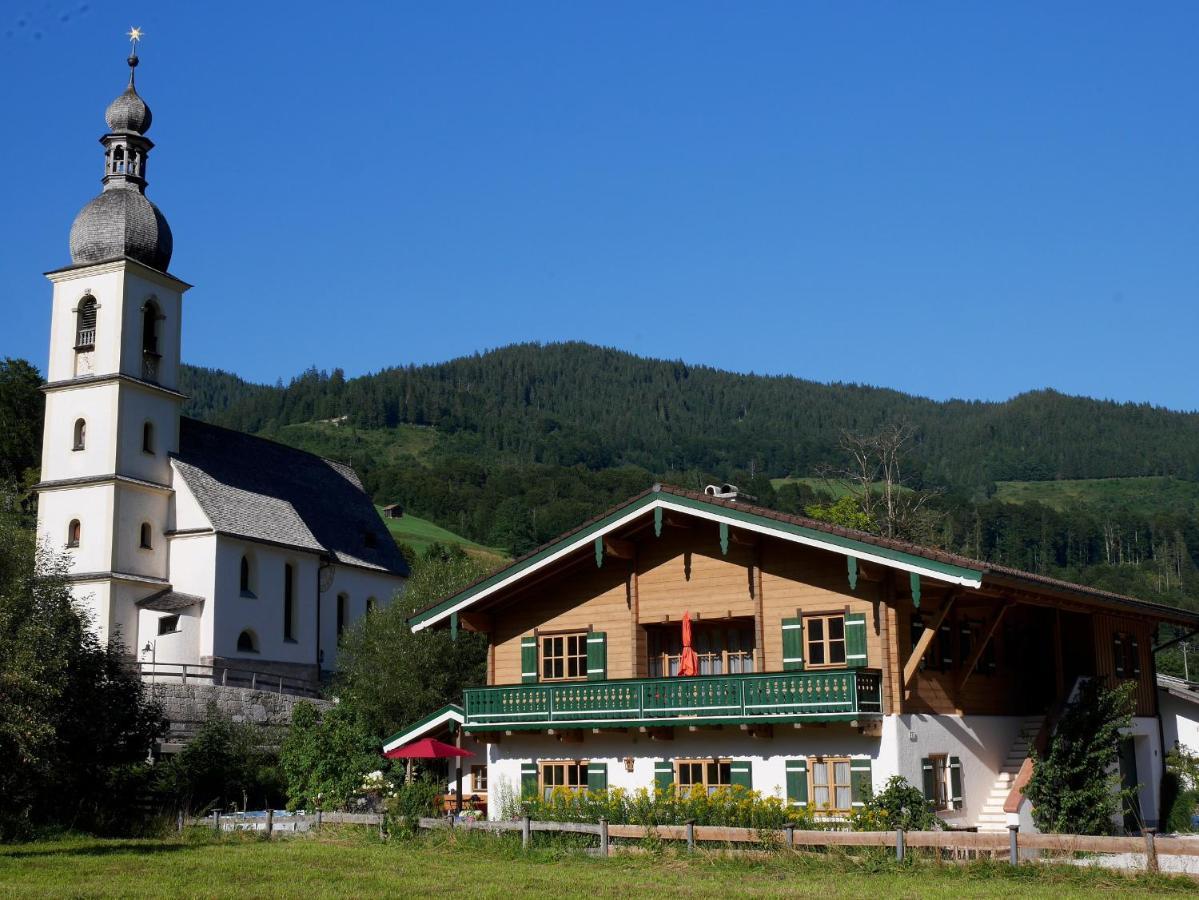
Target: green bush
column 898, row 805
column 408, row 802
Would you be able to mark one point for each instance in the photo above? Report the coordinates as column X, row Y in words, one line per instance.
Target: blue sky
column 952, row 199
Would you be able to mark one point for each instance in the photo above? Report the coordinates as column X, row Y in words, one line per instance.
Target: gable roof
column 259, row 490
column 923, row 562
column 433, row 722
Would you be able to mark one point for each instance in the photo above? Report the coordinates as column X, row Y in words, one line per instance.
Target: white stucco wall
column 1146, row 738
column 1180, row 721
column 134, row 506
column 97, row 406
column 768, row 756
column 93, row 506
column 193, row 571
column 106, row 284
column 181, row 646
column 357, row 585
column 137, row 406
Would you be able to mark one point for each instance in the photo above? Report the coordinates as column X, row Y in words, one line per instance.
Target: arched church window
column 85, row 324
column 289, row 602
column 343, row 603
column 145, row 536
column 148, row 437
column 73, row 533
column 247, row 581
column 150, row 319
column 371, row 603
column 247, row 642
column 80, row 439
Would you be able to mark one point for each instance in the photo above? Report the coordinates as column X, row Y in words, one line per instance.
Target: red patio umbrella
column 688, row 661
column 427, row 748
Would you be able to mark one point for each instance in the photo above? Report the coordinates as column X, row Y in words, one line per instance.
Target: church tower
column 112, row 398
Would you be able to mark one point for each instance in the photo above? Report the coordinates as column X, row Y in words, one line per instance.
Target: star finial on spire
column 134, row 35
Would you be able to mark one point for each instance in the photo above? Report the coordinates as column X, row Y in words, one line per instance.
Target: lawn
column 1143, row 495
column 350, row 863
column 420, row 533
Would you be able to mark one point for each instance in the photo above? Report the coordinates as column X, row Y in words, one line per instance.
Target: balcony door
column 724, row 647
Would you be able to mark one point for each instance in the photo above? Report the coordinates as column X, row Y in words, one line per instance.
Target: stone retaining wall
column 186, row 705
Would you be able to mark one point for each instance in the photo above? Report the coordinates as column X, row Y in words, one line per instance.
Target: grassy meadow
column 351, row 863
column 419, row 533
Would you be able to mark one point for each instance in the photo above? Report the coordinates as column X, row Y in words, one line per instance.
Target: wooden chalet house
column 829, row 660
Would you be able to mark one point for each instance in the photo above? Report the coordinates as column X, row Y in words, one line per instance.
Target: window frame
column 342, row 613
column 163, row 620
column 79, row 435
column 580, row 771
column 145, row 536
column 666, row 664
column 829, row 764
column 722, row 765
column 942, row 790
column 475, row 780
column 579, row 657
column 826, row 642
column 245, row 577
column 253, row 641
column 74, row 534
column 148, row 438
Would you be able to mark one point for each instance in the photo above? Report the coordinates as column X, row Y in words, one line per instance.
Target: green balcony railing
column 827, row 695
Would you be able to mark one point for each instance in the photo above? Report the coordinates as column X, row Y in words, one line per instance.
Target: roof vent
column 727, row 492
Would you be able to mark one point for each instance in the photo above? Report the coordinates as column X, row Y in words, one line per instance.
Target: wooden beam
column 744, row 538
column 619, row 549
column 484, row 737
column 475, row 621
column 930, row 631
column 977, row 654
column 674, row 521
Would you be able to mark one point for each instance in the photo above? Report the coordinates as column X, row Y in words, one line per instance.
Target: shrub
column 408, row 802
column 326, row 758
column 898, row 805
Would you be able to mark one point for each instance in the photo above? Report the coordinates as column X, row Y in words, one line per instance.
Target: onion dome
column 121, row 223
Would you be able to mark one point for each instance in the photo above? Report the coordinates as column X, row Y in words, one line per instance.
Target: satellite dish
column 326, row 577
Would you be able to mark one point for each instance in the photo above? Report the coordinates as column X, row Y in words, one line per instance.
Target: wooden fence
column 1013, row 844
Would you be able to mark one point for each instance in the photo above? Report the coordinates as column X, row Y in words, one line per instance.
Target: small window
column 85, row 324
column 246, row 582
column 831, row 786
column 478, row 779
column 73, row 533
column 246, row 642
column 1126, row 655
column 342, row 603
column 569, row 775
column 148, row 437
column 145, row 536
column 289, row 609
column 80, row 439
column 150, row 319
column 825, row 637
column 371, row 603
column 709, row 774
column 168, row 624
column 564, row 656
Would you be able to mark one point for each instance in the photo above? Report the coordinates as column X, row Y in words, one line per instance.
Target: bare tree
column 874, row 475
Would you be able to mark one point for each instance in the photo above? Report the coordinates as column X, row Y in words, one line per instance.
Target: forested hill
column 566, row 404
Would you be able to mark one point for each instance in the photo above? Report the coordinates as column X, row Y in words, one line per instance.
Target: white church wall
column 1180, row 720
column 135, row 506
column 97, row 407
column 93, row 600
column 139, row 406
column 262, row 614
column 181, row 645
column 139, row 288
column 186, row 511
column 106, row 284
column 193, row 571
column 357, row 585
column 92, row 505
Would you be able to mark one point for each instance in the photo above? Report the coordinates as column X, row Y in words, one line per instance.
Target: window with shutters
column 708, row 774
column 723, row 648
column 940, row 780
column 564, row 656
column 571, row 776
column 1126, row 655
column 831, row 789
column 825, row 639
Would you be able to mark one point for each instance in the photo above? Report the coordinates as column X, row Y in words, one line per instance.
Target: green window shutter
column 741, row 773
column 930, row 781
column 797, row 782
column 663, row 774
column 1118, row 655
column 528, row 781
column 955, row 782
column 1135, row 662
column 945, row 639
column 861, row 784
column 528, row 659
column 597, row 656
column 793, row 645
column 597, row 776
column 855, row 639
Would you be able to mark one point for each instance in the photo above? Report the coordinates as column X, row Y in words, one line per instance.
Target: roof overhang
column 431, row 723
column 742, row 519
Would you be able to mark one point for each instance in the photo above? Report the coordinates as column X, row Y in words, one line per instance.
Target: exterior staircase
column 993, row 818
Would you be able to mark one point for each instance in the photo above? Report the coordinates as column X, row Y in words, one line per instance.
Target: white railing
column 225, row 676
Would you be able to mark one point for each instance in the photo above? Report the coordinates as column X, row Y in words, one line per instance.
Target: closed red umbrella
column 688, row 661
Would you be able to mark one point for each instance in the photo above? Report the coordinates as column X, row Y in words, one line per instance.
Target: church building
column 189, row 543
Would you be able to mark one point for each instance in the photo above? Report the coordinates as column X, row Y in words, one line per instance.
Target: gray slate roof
column 257, row 489
column 168, row 600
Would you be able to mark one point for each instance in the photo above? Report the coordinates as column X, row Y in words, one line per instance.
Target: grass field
column 1139, row 494
column 354, row 865
column 420, row 533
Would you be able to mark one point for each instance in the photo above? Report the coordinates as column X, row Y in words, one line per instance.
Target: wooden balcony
column 830, row 695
